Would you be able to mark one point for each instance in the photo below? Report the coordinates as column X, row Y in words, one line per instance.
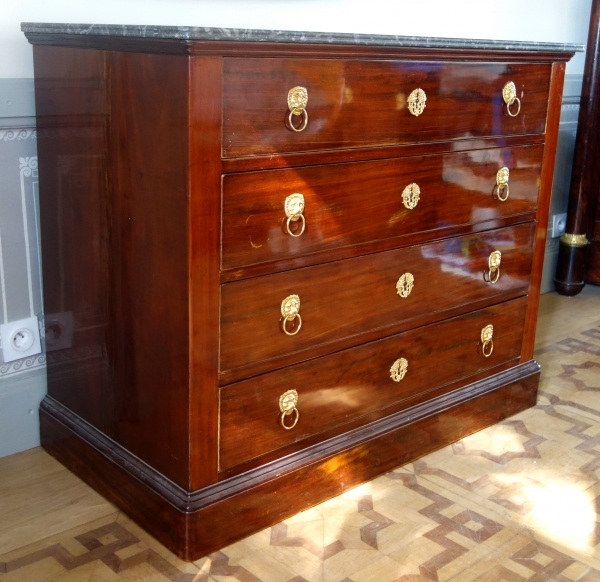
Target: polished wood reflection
column 335, row 389
column 164, row 165
column 71, row 106
column 113, row 213
column 353, row 103
column 353, row 204
column 347, row 299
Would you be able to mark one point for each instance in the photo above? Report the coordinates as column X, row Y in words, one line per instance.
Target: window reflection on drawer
column 335, row 389
column 353, row 103
column 356, row 203
column 344, row 300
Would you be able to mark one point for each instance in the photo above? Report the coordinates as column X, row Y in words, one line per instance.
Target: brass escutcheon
column 287, row 405
column 297, row 101
column 487, row 334
column 509, row 94
column 411, row 196
column 416, row 102
column 493, row 273
column 294, row 207
column 502, row 188
column 290, row 310
column 399, row 369
column 405, row 284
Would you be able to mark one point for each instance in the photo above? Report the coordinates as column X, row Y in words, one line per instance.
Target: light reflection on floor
column 517, row 502
column 563, row 513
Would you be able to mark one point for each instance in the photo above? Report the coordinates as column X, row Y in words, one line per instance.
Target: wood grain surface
column 543, row 210
column 265, row 497
column 337, row 388
column 354, row 103
column 352, row 204
column 285, row 160
column 149, row 268
column 71, row 105
column 113, row 199
column 347, row 299
column 164, row 165
column 204, row 257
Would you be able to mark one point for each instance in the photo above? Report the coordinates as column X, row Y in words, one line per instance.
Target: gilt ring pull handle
column 297, row 101
column 486, row 340
column 284, row 324
column 301, row 231
column 502, row 189
column 290, row 311
column 509, row 94
column 287, row 405
column 493, row 273
column 416, row 102
column 294, row 208
column 508, row 106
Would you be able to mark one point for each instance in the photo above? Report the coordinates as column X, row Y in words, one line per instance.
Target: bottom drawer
column 335, row 389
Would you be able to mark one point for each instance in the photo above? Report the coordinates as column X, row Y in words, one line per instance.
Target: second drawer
column 349, row 298
column 341, row 205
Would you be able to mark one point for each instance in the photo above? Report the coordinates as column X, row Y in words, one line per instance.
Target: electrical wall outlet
column 559, row 223
column 58, row 330
column 20, row 339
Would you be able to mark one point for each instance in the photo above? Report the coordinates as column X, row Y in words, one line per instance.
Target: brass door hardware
column 399, row 369
column 502, row 189
column 509, row 94
column 287, row 405
column 416, row 102
column 294, row 208
column 290, row 310
column 411, row 196
column 297, row 101
column 493, row 273
column 486, row 340
column 405, row 285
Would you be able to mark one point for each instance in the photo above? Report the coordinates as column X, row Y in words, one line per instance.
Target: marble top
column 245, row 34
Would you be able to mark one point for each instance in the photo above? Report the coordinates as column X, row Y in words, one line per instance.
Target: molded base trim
column 191, row 524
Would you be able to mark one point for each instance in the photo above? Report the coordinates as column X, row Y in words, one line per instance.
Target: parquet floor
column 517, row 502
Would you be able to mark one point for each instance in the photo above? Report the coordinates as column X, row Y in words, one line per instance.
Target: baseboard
column 192, row 524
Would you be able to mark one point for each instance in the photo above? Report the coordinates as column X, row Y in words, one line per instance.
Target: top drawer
column 365, row 103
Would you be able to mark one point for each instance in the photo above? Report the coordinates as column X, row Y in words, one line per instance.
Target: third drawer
column 347, row 302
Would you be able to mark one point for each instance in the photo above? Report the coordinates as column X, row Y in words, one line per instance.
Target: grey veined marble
column 244, row 34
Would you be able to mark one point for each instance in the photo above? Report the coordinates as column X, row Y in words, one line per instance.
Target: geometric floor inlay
column 517, row 502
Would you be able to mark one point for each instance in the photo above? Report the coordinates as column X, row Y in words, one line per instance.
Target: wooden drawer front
column 341, row 387
column 350, row 204
column 357, row 103
column 348, row 298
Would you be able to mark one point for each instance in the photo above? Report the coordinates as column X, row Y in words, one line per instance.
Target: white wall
column 534, row 20
column 22, row 383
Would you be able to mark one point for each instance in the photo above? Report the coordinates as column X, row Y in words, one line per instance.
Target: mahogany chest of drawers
column 276, row 269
